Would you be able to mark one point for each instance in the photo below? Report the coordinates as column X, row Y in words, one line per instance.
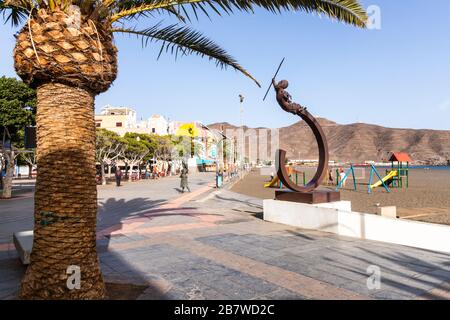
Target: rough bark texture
column 66, row 197
column 53, row 47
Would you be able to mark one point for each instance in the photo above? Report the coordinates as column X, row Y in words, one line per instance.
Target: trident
column 276, row 73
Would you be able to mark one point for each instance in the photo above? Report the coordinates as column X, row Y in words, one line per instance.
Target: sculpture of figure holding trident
column 308, row 192
column 284, row 99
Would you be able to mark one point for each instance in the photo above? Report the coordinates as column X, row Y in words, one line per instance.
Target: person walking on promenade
column 342, row 177
column 330, row 177
column 184, row 180
column 118, row 175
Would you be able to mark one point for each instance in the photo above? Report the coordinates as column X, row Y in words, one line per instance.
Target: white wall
column 338, row 218
column 159, row 123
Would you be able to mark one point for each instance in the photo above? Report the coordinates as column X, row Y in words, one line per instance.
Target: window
column 153, row 130
column 118, row 124
column 98, row 124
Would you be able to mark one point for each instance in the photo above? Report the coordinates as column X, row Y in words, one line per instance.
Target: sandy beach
column 426, row 199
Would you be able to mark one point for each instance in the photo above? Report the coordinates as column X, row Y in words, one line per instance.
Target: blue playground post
column 351, row 170
column 372, row 170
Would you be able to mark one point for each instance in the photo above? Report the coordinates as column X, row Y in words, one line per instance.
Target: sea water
column 430, row 167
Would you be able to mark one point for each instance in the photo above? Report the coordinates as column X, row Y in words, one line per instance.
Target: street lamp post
column 241, row 101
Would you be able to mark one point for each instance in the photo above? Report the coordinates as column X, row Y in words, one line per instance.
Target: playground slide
column 272, row 183
column 391, row 175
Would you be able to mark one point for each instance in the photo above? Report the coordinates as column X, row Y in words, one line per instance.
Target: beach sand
column 427, row 198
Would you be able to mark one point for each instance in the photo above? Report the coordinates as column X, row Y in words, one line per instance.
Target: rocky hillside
column 359, row 142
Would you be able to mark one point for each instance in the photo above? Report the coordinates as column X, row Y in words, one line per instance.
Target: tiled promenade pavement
column 212, row 244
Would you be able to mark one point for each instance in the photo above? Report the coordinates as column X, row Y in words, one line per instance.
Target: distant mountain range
column 359, row 142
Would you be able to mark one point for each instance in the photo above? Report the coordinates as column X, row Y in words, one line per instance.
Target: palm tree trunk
column 65, row 199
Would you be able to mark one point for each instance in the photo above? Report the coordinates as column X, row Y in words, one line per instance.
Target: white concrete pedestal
column 337, row 218
column 323, row 217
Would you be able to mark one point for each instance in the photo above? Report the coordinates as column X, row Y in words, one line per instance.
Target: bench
column 23, row 241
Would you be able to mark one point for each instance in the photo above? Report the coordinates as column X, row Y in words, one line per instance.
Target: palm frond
column 349, row 11
column 14, row 13
column 182, row 40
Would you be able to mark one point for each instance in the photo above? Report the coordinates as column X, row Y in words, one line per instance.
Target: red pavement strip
column 6, row 246
column 442, row 292
column 132, row 224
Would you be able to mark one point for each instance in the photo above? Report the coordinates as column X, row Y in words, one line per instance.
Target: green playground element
column 294, row 177
column 350, row 170
column 303, row 174
column 400, row 163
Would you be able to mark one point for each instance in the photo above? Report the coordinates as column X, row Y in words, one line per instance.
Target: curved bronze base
column 322, row 168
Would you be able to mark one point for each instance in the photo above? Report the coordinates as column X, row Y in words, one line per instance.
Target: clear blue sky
column 398, row 76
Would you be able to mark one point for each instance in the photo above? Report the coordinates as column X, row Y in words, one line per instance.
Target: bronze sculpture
column 307, row 193
column 285, row 99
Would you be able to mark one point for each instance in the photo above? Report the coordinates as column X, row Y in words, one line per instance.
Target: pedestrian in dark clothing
column 184, row 180
column 330, row 177
column 118, row 176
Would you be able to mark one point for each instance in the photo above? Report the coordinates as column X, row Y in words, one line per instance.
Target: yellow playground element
column 291, row 172
column 388, row 177
column 272, row 183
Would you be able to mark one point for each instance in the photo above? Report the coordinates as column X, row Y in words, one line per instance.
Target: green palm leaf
column 349, row 11
column 182, row 40
column 12, row 13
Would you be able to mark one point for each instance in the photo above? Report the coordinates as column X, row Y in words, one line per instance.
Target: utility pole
column 241, row 101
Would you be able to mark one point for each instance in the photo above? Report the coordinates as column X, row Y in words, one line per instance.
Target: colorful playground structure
column 400, row 163
column 396, row 177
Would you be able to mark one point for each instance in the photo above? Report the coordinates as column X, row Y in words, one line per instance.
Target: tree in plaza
column 151, row 143
column 135, row 150
column 29, row 157
column 108, row 148
column 17, row 110
column 185, row 147
column 164, row 148
column 65, row 50
column 149, row 140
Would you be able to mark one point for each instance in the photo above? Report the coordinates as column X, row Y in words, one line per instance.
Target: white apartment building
column 123, row 119
column 158, row 125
